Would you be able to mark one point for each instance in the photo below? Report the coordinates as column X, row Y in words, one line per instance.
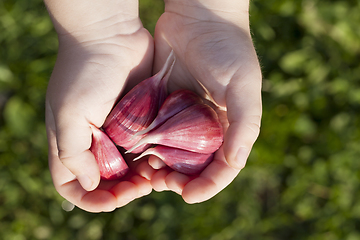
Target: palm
column 211, row 52
column 85, row 84
column 221, row 56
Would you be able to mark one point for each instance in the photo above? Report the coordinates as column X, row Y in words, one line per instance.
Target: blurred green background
column 302, row 179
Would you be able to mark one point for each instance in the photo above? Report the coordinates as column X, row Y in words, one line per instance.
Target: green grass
column 302, row 179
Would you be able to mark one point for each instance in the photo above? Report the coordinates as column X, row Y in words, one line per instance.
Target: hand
column 212, row 43
column 98, row 55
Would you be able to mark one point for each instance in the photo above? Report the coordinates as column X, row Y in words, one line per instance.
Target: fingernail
column 85, row 182
column 241, row 157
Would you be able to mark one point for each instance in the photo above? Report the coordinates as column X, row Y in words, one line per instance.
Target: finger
column 158, row 180
column 143, row 185
column 59, row 173
column 211, row 181
column 155, row 162
column 73, row 140
column 244, row 110
column 95, row 201
column 145, row 170
column 176, row 181
column 67, row 185
column 125, row 192
column 131, row 187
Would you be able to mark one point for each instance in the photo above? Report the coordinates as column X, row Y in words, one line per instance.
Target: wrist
column 236, row 12
column 83, row 20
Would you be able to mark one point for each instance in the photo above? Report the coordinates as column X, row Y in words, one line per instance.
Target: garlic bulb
column 183, row 130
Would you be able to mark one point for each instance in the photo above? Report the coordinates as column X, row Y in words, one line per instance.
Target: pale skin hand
column 212, row 43
column 102, row 47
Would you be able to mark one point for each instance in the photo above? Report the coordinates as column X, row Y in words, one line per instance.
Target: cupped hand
column 213, row 46
column 95, row 64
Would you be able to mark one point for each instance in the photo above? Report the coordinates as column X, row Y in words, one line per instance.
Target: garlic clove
column 138, row 108
column 111, row 164
column 174, row 103
column 182, row 161
column 196, row 128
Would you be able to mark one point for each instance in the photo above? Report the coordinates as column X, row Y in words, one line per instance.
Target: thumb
column 73, row 137
column 244, row 110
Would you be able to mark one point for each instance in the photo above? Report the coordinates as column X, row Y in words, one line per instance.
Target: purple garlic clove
column 174, row 103
column 182, row 161
column 138, row 108
column 111, row 164
column 196, row 129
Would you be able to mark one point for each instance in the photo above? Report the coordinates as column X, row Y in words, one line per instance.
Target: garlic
column 182, row 161
column 138, row 108
column 173, row 104
column 111, row 164
column 185, row 130
column 195, row 128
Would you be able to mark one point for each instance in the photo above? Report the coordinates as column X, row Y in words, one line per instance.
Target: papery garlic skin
column 138, row 108
column 182, row 161
column 110, row 161
column 173, row 104
column 133, row 113
column 196, row 129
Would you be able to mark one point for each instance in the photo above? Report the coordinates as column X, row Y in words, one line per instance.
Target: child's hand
column 213, row 45
column 100, row 53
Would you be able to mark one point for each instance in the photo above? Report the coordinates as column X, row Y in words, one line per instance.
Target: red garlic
column 173, row 104
column 183, row 161
column 195, row 128
column 111, row 164
column 185, row 130
column 138, row 108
